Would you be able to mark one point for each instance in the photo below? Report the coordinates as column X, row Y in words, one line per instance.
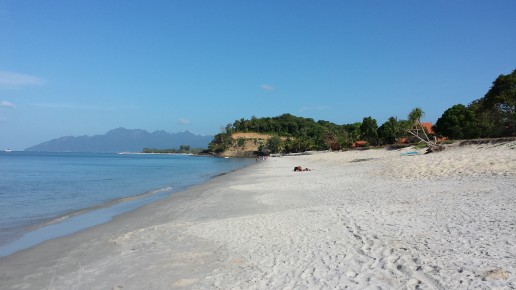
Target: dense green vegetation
column 296, row 134
column 300, row 134
column 183, row 149
column 494, row 115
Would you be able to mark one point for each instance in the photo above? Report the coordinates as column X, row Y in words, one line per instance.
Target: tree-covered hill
column 494, row 115
column 290, row 133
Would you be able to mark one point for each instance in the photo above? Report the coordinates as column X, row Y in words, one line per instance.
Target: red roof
column 359, row 144
column 428, row 127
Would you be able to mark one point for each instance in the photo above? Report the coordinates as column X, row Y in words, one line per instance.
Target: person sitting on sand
column 299, row 168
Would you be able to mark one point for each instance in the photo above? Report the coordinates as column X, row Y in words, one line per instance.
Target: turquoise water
column 47, row 195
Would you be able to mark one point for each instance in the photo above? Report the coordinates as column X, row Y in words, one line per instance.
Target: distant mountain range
column 123, row 140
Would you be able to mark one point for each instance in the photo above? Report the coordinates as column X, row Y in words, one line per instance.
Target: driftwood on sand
column 432, row 145
column 415, row 119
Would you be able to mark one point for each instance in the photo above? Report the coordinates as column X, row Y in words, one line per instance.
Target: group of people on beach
column 261, row 158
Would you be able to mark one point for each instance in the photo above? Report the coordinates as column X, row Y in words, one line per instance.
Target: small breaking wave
column 101, row 206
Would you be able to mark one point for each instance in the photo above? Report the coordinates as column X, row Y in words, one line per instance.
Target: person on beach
column 299, row 168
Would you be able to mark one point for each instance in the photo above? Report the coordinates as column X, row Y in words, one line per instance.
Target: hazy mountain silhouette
column 123, row 140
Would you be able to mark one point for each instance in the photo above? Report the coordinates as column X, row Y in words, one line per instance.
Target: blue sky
column 85, row 67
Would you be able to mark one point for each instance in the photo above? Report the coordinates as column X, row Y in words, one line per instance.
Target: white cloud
column 183, row 121
column 6, row 104
column 13, row 80
column 267, row 87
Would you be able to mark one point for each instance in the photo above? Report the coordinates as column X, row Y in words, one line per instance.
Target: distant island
column 123, row 140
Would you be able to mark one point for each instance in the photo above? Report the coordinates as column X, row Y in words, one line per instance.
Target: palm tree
column 414, row 119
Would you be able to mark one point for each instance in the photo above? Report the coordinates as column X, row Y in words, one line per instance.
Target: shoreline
column 184, row 190
column 77, row 220
column 48, row 255
column 439, row 221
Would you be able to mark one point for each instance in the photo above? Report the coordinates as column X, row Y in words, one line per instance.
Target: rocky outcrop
column 246, row 144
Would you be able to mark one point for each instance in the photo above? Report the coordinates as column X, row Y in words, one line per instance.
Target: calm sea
column 47, row 195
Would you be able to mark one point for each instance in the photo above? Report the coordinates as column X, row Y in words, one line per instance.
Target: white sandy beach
column 359, row 220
